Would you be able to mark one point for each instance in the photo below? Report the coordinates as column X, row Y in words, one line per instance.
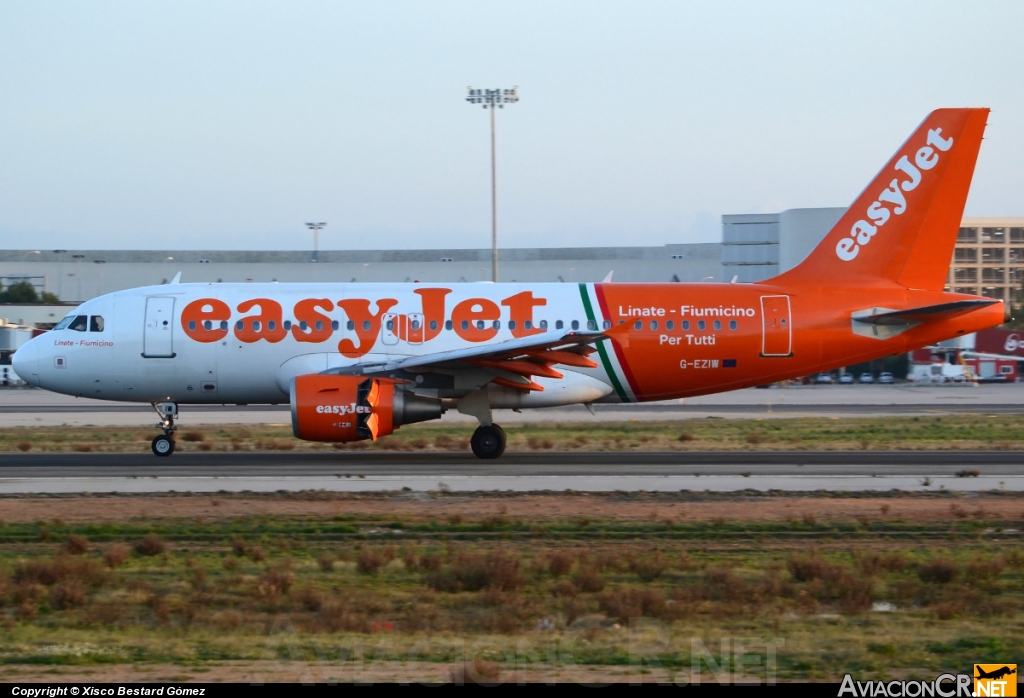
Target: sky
column 227, row 125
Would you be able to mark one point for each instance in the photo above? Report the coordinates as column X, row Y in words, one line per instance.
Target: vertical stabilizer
column 903, row 226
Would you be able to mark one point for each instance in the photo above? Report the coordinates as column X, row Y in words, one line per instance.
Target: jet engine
column 352, row 408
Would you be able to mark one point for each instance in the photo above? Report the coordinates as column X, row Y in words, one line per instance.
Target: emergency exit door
column 776, row 326
column 158, row 338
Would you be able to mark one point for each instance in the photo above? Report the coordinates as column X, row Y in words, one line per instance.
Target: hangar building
column 989, row 260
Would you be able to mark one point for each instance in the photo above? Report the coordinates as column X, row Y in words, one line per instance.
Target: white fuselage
column 144, row 351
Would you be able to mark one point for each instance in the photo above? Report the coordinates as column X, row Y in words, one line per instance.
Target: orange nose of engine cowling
column 342, row 408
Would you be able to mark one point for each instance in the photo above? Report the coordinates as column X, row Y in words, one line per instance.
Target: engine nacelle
column 352, row 408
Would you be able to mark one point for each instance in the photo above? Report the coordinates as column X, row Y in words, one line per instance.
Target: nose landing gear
column 163, row 445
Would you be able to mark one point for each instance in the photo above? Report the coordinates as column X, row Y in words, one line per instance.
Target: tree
column 21, row 292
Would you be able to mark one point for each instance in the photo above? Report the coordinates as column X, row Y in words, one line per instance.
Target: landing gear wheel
column 488, row 441
column 163, row 445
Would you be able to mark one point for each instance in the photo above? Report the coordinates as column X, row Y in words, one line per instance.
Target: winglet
column 177, row 278
column 608, row 279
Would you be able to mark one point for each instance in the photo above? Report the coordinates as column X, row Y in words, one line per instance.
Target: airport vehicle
column 823, row 378
column 845, row 379
column 867, row 378
column 357, row 361
column 885, row 378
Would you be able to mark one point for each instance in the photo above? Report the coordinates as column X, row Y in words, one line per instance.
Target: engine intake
column 352, row 408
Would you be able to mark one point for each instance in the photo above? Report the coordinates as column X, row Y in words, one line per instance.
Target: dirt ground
column 77, row 509
column 276, row 671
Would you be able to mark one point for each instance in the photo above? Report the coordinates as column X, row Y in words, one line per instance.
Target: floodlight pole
column 490, row 99
column 315, row 227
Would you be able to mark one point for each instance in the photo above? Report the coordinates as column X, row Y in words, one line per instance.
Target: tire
column 504, row 437
column 163, row 446
column 488, row 442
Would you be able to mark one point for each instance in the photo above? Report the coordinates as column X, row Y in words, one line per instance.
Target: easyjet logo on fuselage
column 474, row 319
column 925, row 159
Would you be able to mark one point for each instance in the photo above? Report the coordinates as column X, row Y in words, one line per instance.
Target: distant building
column 988, row 261
column 761, row 245
column 77, row 275
column 989, row 258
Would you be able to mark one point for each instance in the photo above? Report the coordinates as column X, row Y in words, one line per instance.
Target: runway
column 597, row 471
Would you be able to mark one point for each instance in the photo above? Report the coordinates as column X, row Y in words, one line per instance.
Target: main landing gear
column 163, row 445
column 488, row 441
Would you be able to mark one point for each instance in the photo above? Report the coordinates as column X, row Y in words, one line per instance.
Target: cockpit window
column 96, row 323
column 79, row 323
column 64, row 323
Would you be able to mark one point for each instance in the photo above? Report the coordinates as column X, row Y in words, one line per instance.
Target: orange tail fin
column 903, row 226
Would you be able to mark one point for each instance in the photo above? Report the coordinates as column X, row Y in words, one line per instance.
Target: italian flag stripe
column 608, row 359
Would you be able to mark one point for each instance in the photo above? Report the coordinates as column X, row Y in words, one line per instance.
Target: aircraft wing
column 512, row 362
column 942, row 311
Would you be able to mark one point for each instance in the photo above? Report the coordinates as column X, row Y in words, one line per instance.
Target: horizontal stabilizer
column 942, row 311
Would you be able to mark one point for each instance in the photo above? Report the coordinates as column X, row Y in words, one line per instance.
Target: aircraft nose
column 25, row 362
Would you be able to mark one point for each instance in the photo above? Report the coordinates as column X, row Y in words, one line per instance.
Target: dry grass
column 151, row 545
column 962, row 431
column 212, row 599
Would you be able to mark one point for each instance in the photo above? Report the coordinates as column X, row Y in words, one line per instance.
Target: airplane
column 357, row 361
column 995, row 674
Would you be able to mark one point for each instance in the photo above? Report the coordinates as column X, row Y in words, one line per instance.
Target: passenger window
column 390, row 325
column 96, row 323
column 639, row 325
column 240, row 325
column 448, row 324
column 416, row 325
column 732, row 324
column 78, row 324
column 591, row 325
column 543, row 324
column 465, row 324
column 479, row 324
column 511, row 324
column 669, row 325
column 271, row 326
column 701, row 325
column 527, row 325
column 686, row 324
column 319, row 325
column 224, row 325
column 208, row 325
column 654, row 324
column 607, row 324
column 303, row 325
column 496, row 324
column 350, row 325
column 718, row 324
column 575, row 324
column 366, row 325
column 433, row 325
column 559, row 324
column 192, row 325
column 335, row 325
column 287, row 325
column 256, row 325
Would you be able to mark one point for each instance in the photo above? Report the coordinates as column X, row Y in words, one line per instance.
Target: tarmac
column 799, row 471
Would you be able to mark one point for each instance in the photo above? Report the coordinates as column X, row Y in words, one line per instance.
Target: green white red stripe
column 612, row 360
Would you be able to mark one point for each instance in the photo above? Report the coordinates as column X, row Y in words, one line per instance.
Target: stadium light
column 489, row 99
column 315, row 227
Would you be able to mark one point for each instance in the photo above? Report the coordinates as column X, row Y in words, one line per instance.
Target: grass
column 205, row 594
column 963, row 431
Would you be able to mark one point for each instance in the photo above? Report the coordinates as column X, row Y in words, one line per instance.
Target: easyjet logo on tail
column 878, row 213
